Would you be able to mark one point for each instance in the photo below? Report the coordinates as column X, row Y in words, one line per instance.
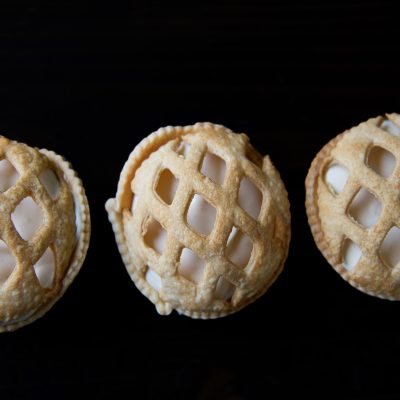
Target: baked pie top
column 44, row 231
column 353, row 205
column 201, row 220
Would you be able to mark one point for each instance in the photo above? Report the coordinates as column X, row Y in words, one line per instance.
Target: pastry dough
column 353, row 205
column 44, row 231
column 218, row 237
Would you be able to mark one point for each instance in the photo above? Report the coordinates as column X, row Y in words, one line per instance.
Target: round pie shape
column 212, row 171
column 53, row 230
column 352, row 203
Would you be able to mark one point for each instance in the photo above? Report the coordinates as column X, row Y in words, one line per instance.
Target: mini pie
column 201, row 220
column 353, row 205
column 44, row 231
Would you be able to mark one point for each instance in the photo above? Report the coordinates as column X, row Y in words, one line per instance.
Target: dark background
column 90, row 81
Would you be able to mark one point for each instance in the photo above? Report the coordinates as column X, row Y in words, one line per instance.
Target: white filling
column 201, row 215
column 8, row 175
column 390, row 127
column 191, row 266
column 153, row 279
column 156, row 236
column 224, row 289
column 45, row 269
column 78, row 219
column 250, row 197
column 238, row 248
column 166, row 186
column 27, row 218
column 50, row 182
column 183, row 149
column 351, row 254
column 365, row 208
column 390, row 248
column 134, row 202
column 381, row 161
column 214, row 167
column 336, row 177
column 7, row 262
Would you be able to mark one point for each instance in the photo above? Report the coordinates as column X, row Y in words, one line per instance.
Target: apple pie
column 44, row 231
column 201, row 220
column 353, row 205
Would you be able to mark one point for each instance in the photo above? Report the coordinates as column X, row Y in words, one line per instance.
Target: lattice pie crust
column 269, row 232
column 335, row 225
column 65, row 230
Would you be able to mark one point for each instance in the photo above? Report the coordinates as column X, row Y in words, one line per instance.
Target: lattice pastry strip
column 268, row 234
column 172, row 218
column 176, row 213
column 336, row 217
column 24, row 296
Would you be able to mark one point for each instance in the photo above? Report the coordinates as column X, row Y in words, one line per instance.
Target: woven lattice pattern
column 330, row 214
column 22, row 294
column 269, row 233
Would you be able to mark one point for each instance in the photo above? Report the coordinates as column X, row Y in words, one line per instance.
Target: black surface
column 90, row 81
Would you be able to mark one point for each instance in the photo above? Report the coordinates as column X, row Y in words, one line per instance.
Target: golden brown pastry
column 353, row 205
column 44, row 231
column 201, row 220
